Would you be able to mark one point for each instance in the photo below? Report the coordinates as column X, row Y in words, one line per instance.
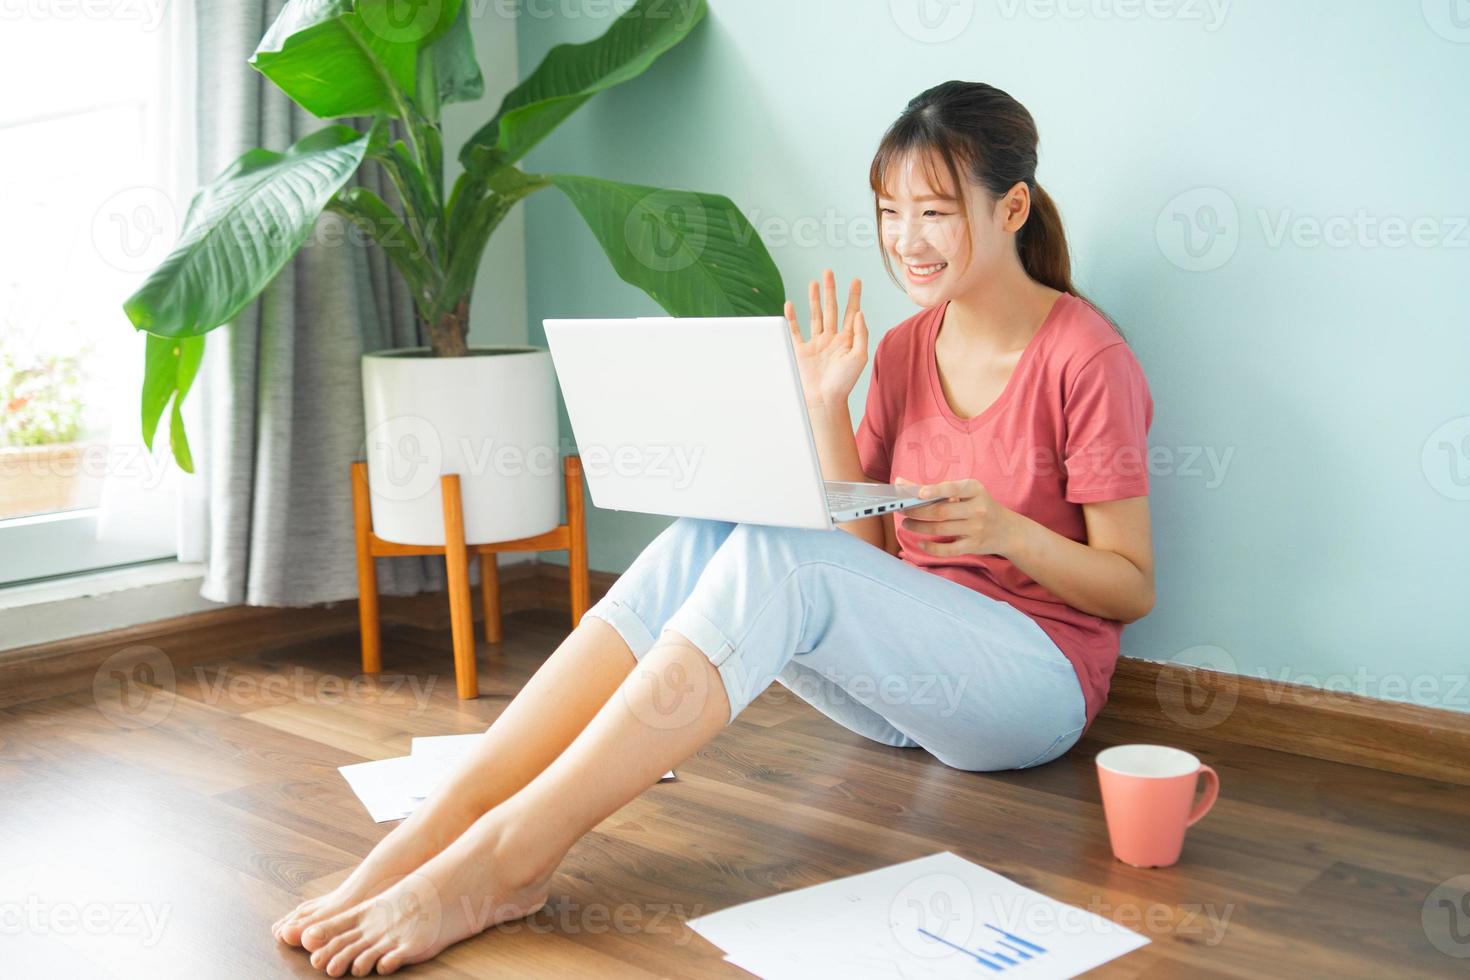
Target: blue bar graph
column 1016, row 950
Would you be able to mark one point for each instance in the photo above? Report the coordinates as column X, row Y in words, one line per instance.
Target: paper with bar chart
column 929, row 919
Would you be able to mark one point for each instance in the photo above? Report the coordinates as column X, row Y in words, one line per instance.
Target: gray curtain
column 282, row 388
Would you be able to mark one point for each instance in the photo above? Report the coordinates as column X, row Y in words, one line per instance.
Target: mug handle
column 1212, row 791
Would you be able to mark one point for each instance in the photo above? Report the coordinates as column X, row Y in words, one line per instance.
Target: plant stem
column 448, row 331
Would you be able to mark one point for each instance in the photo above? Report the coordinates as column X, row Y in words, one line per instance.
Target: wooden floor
column 160, row 835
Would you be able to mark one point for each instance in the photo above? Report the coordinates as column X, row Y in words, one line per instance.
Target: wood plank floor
column 158, row 830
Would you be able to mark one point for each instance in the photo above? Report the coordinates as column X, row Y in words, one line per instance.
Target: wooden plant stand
column 571, row 536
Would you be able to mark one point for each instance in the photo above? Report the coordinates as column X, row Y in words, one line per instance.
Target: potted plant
column 432, row 410
column 44, row 435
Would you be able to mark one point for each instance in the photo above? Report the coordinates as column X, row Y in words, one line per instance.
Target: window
column 89, row 189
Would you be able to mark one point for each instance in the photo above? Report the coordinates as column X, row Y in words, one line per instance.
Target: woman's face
column 923, row 229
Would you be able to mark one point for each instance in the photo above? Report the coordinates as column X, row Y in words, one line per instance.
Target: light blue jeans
column 897, row 654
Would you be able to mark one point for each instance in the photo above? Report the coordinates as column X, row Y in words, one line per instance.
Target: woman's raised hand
column 831, row 361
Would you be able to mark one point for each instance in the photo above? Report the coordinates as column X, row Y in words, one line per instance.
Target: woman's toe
column 319, row 934
column 391, row 960
column 322, row 956
column 343, row 959
column 368, row 958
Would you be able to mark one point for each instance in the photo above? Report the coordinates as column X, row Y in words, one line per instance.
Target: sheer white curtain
column 146, row 501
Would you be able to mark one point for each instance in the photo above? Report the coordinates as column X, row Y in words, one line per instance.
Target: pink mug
column 1148, row 800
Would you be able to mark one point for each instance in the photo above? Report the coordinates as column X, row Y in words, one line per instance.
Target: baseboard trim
column 42, row 670
column 1178, row 703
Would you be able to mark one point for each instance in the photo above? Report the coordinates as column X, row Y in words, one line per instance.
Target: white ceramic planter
column 489, row 416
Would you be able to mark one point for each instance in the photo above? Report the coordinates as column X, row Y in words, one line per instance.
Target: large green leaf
column 452, row 56
column 170, row 365
column 570, row 74
column 352, row 57
column 694, row 254
column 241, row 229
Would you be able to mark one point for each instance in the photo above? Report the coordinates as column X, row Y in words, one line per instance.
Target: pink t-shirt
column 1070, row 428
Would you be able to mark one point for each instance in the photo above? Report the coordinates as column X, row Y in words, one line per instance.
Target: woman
column 983, row 628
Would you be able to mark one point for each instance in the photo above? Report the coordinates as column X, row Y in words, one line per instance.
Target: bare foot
column 471, row 886
column 396, row 855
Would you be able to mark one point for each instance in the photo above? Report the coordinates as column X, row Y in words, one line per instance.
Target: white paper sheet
column 436, row 755
column 933, row 918
column 392, row 788
column 383, row 786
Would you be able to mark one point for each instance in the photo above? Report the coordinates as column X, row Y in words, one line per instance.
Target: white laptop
column 700, row 417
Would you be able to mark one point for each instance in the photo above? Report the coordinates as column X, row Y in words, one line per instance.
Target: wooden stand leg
column 577, row 537
column 457, row 564
column 367, row 574
column 490, row 594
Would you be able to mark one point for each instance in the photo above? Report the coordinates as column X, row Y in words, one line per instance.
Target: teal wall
column 1327, row 377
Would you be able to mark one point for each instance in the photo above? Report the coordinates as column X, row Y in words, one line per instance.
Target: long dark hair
column 981, row 130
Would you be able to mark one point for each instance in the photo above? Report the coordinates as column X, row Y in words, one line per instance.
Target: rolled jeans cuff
column 714, row 644
column 621, row 617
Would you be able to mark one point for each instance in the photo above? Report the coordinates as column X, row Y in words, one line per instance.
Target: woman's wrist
column 1016, row 536
column 827, row 409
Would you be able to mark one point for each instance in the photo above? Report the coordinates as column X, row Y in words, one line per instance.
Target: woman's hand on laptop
column 832, row 359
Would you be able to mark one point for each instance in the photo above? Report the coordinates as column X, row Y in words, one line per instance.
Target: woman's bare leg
column 541, row 721
column 501, row 867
